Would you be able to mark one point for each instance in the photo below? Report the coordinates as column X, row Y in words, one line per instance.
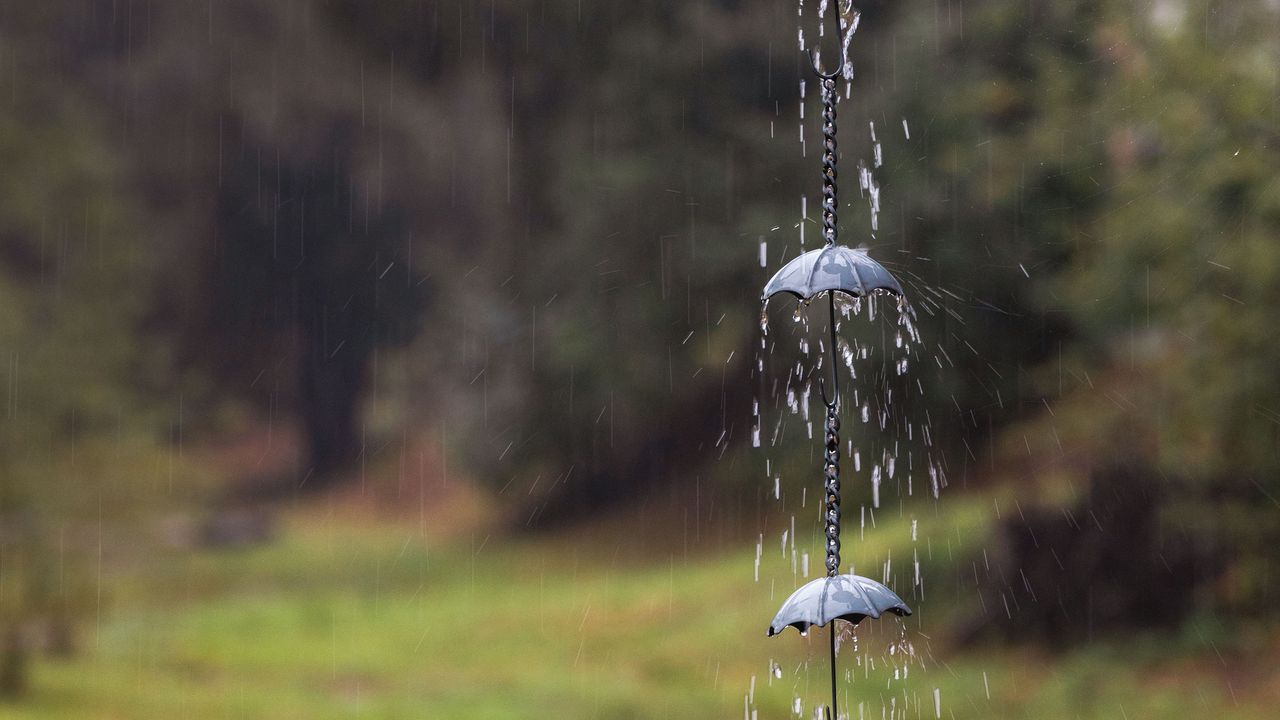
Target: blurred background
column 403, row 359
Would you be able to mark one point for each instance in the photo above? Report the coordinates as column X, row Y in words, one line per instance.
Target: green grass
column 347, row 619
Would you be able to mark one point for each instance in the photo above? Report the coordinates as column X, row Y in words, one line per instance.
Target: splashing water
column 881, row 349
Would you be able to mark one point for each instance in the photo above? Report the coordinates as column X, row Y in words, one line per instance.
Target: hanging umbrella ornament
column 830, row 269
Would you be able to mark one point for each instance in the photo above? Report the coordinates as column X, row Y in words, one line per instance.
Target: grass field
column 342, row 617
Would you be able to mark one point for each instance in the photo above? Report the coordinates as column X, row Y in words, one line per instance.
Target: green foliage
column 1096, row 180
column 84, row 435
column 1174, row 279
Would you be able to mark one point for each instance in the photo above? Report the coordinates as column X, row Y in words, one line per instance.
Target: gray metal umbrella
column 829, row 269
column 851, row 598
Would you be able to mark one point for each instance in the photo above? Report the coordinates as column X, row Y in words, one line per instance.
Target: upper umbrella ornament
column 833, row 268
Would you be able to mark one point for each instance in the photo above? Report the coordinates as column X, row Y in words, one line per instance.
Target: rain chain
column 830, row 269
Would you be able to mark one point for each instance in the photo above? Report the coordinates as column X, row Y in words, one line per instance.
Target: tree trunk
column 332, row 384
column 13, row 664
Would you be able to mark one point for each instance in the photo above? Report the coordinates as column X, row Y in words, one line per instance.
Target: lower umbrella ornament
column 831, row 269
column 837, row 597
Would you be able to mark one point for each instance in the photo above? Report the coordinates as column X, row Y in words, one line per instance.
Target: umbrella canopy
column 842, row 597
column 834, row 267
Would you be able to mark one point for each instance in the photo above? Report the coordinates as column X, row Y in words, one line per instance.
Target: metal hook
column 822, row 387
column 815, row 53
column 835, row 379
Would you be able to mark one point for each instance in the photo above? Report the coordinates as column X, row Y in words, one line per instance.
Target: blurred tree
column 1127, row 171
column 85, row 432
column 595, row 323
column 295, row 264
column 1173, row 282
column 294, row 187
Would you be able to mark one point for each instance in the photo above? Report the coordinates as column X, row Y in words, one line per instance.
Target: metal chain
column 831, row 467
column 829, row 161
column 832, row 472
